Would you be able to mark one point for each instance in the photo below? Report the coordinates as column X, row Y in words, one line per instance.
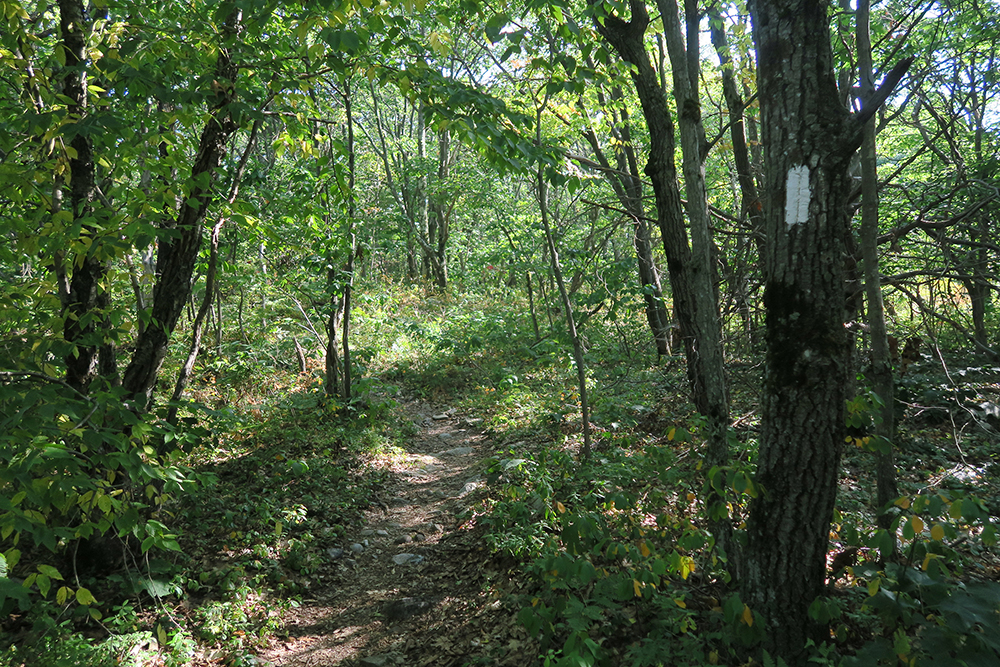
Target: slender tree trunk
column 581, row 368
column 809, row 140
column 531, row 306
column 349, row 269
column 442, row 211
column 80, row 298
column 198, row 327
column 881, row 361
column 179, row 253
column 211, row 280
column 750, row 206
column 695, row 303
column 685, row 66
column 627, row 184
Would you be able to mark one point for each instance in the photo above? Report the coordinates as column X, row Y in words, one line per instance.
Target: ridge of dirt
column 450, row 605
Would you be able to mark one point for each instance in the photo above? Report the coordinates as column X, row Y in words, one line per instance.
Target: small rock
column 474, row 422
column 419, row 537
column 440, row 416
column 429, row 528
column 407, row 559
column 334, row 553
column 382, row 533
column 468, row 488
column 456, row 451
column 445, row 436
column 357, row 548
column 366, row 532
column 393, row 526
column 398, row 610
column 405, row 539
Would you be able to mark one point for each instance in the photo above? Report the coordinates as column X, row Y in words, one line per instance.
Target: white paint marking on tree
column 797, row 195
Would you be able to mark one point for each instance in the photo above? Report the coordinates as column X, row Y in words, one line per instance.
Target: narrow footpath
column 415, row 586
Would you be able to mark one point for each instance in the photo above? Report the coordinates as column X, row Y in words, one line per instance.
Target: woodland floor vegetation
column 602, row 559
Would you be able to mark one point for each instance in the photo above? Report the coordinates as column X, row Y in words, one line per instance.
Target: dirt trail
column 415, row 585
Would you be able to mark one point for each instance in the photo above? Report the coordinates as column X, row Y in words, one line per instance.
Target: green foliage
column 612, row 546
column 79, row 468
column 925, row 613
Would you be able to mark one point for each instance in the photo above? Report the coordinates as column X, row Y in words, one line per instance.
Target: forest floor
column 415, row 584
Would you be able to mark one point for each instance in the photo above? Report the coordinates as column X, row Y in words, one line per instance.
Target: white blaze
column 797, row 195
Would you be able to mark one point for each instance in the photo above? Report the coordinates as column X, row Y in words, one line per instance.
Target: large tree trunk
column 809, row 140
column 178, row 252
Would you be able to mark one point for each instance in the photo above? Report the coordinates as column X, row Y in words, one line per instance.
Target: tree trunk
column 80, row 301
column 695, row 305
column 178, row 253
column 809, row 140
column 580, row 363
column 750, row 207
column 685, row 69
column 627, row 184
column 881, row 362
column 349, row 268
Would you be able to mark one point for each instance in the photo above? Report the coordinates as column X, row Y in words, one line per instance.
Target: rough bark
column 685, row 68
column 808, row 139
column 689, row 267
column 82, row 296
column 179, row 246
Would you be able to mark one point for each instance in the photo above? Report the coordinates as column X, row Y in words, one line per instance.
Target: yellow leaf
column 62, row 594
column 644, row 549
column 903, row 502
column 680, row 603
column 713, row 658
column 917, row 523
column 927, row 561
column 955, row 511
column 873, row 586
column 937, row 532
column 560, row 507
column 84, row 597
column 747, row 616
column 691, row 496
column 637, row 587
column 671, row 433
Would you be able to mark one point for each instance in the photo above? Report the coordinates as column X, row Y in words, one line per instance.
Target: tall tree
column 881, row 375
column 688, row 262
column 809, row 140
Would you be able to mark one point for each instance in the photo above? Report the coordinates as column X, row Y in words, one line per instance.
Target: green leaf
column 44, row 584
column 50, row 572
